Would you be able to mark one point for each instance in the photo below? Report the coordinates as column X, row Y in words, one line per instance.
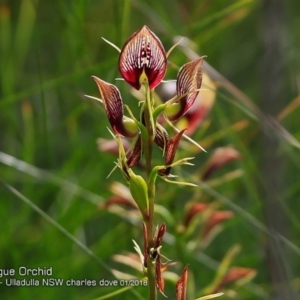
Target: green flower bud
column 130, row 127
column 172, row 110
column 139, row 191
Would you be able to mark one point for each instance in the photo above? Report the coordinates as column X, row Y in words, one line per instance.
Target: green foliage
column 54, row 184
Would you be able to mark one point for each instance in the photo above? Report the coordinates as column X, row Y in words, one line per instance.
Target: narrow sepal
column 143, row 52
column 161, row 137
column 159, row 235
column 181, row 285
column 160, row 282
column 134, row 156
column 171, row 149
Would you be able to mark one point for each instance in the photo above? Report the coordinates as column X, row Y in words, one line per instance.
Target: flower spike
column 143, row 62
column 113, row 105
column 143, row 53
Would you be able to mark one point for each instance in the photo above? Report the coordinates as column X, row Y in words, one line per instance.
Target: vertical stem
column 149, row 224
column 148, row 143
column 150, row 264
column 147, row 147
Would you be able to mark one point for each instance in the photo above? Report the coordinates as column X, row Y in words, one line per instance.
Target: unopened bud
column 173, row 110
column 139, row 192
column 130, row 127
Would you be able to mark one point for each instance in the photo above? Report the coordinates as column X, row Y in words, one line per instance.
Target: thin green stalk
column 149, row 225
column 151, row 279
column 148, row 144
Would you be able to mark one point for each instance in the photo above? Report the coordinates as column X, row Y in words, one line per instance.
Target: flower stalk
column 143, row 64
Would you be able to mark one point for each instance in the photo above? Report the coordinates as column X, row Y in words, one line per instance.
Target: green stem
column 151, row 268
column 151, row 263
column 149, row 225
column 147, row 147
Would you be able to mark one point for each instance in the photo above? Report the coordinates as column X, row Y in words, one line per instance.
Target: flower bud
column 130, row 127
column 172, row 110
column 139, row 192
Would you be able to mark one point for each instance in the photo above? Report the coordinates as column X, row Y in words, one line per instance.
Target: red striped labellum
column 143, row 53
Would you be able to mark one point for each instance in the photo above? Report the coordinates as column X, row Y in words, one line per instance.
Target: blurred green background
column 50, row 160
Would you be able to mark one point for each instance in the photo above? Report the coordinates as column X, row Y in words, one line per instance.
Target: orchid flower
column 113, row 106
column 189, row 80
column 143, row 53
